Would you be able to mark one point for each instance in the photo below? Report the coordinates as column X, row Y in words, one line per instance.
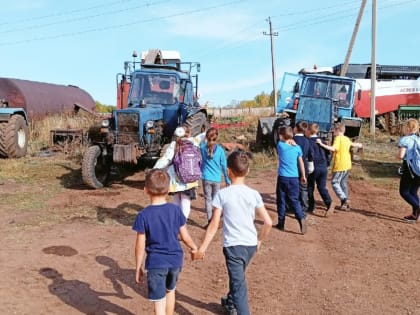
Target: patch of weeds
column 25, row 201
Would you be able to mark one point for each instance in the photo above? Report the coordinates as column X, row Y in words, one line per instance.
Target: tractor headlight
column 105, row 123
column 149, row 124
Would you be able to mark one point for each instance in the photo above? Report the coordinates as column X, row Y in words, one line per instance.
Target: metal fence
column 236, row 112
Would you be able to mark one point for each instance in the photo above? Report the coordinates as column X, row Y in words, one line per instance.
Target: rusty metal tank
column 40, row 99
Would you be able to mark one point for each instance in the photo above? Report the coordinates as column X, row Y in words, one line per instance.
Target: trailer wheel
column 95, row 168
column 198, row 123
column 3, row 152
column 14, row 137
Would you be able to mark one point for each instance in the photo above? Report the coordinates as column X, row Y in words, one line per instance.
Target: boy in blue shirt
column 287, row 188
column 237, row 205
column 158, row 226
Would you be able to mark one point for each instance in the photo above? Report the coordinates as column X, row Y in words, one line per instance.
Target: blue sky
column 85, row 43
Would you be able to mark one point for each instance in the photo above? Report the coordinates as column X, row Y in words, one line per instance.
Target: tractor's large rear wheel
column 14, row 137
column 96, row 168
column 3, row 152
column 198, row 123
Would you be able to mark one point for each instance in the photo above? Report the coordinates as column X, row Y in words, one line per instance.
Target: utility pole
column 353, row 38
column 273, row 66
column 373, row 72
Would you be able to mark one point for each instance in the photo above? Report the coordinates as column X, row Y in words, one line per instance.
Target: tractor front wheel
column 96, row 168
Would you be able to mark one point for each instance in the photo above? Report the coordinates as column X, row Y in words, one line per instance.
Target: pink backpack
column 187, row 162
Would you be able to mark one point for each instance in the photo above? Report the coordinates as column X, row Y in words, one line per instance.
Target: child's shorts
column 159, row 281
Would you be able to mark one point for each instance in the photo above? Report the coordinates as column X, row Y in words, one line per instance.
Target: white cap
column 179, row 132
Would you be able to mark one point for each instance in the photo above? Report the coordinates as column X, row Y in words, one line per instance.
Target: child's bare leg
column 160, row 306
column 170, row 302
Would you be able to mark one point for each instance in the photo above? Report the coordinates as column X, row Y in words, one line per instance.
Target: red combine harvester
column 397, row 92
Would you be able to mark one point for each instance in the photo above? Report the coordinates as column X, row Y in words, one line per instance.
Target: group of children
column 303, row 160
column 160, row 225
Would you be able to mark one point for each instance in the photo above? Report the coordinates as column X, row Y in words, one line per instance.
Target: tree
column 271, row 102
column 262, row 100
column 101, row 108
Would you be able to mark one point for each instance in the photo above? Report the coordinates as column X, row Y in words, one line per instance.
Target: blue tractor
column 316, row 96
column 155, row 95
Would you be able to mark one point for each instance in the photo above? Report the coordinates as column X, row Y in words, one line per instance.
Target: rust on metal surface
column 67, row 139
column 125, row 153
column 41, row 99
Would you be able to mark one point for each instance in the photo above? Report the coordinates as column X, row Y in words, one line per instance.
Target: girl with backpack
column 182, row 192
column 409, row 182
column 213, row 165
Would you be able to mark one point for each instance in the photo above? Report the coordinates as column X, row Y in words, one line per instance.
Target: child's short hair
column 157, row 182
column 341, row 127
column 301, row 126
column 286, row 132
column 313, row 128
column 238, row 163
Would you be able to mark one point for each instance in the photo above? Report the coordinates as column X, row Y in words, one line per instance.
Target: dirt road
column 71, row 252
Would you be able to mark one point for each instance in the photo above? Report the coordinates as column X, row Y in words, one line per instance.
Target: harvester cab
column 316, row 96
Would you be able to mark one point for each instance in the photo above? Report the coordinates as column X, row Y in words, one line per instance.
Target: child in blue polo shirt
column 158, row 226
column 287, row 188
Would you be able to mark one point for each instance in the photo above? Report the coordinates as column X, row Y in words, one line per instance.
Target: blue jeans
column 210, row 189
column 339, row 184
column 318, row 177
column 409, row 187
column 287, row 191
column 237, row 259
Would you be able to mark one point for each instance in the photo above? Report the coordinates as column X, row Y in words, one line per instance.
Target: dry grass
column 40, row 130
column 377, row 162
column 29, row 184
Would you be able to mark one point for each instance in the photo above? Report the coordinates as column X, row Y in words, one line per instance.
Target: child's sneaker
column 228, row 306
column 280, row 225
column 411, row 218
column 345, row 205
column 330, row 209
column 302, row 225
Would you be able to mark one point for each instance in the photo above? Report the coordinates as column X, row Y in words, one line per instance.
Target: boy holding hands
column 238, row 204
column 157, row 227
column 341, row 163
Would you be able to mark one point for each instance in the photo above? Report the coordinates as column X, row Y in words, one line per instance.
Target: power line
column 334, row 16
column 290, row 27
column 82, row 18
column 341, row 4
column 42, row 17
column 112, row 27
column 236, row 42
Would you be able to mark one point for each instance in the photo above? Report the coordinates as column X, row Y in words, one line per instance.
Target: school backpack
column 187, row 162
column 413, row 157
